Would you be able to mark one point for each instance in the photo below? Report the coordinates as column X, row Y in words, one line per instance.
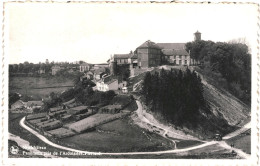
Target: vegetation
column 177, row 95
column 123, row 72
column 231, row 60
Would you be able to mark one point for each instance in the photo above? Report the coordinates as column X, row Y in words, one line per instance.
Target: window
column 180, row 56
column 180, row 62
column 185, row 56
column 185, row 62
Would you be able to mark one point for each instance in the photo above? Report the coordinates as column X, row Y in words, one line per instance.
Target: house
column 41, row 71
column 175, row 53
column 101, row 65
column 99, row 73
column 89, row 75
column 149, row 54
column 34, row 104
column 107, row 83
column 121, row 59
column 55, row 69
column 122, row 84
column 84, row 67
column 18, row 105
column 124, row 90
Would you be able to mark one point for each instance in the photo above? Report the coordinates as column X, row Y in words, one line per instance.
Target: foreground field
column 119, row 136
column 27, row 85
column 242, row 141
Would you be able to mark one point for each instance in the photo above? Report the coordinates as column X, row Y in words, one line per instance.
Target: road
column 45, row 140
column 205, row 144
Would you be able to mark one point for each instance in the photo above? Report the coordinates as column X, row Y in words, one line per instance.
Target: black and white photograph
column 130, row 81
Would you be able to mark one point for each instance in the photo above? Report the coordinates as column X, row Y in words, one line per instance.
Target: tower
column 197, row 36
column 112, row 66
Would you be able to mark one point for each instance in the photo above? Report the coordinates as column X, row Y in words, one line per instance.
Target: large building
column 151, row 54
column 174, row 53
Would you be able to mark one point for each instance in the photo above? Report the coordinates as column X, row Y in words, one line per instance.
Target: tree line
column 176, row 95
column 232, row 60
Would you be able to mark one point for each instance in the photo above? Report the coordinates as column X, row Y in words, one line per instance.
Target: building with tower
column 151, row 54
column 197, row 36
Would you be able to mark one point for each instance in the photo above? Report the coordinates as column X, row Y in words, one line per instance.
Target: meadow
column 38, row 87
column 119, row 136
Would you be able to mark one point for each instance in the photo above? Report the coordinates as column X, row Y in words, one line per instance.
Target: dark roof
column 170, row 52
column 134, row 56
column 149, row 44
column 175, row 46
column 84, row 64
column 122, row 56
column 107, row 80
column 197, row 32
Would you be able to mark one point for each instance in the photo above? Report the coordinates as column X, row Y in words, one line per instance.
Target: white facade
column 111, row 85
column 83, row 68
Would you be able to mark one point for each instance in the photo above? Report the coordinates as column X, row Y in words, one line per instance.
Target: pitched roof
column 100, row 71
column 134, row 56
column 170, row 52
column 107, row 80
column 149, row 44
column 175, row 46
column 84, row 64
column 122, row 56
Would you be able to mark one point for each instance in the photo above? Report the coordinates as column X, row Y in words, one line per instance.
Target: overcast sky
column 92, row 32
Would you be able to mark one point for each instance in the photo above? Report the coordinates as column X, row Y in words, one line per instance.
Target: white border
column 64, row 161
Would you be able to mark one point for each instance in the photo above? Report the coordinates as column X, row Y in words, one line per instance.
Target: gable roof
column 122, row 56
column 134, row 56
column 170, row 52
column 84, row 64
column 149, row 44
column 107, row 80
column 175, row 46
column 100, row 71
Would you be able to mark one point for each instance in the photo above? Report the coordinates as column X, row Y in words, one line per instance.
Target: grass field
column 242, row 141
column 119, row 136
column 26, row 85
column 93, row 121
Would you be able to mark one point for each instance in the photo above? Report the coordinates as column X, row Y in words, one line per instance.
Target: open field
column 34, row 141
column 242, row 141
column 119, row 136
column 93, row 121
column 27, row 85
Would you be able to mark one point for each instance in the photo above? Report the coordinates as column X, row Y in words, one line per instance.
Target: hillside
column 226, row 111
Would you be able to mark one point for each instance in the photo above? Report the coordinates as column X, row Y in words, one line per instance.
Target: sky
column 71, row 32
